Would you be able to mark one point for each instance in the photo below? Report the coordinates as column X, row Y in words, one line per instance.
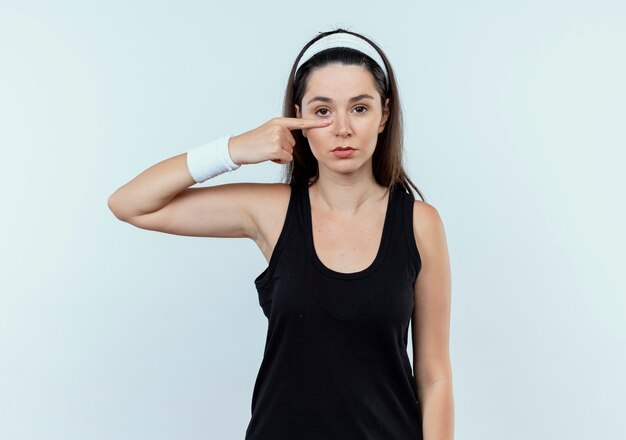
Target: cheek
column 313, row 135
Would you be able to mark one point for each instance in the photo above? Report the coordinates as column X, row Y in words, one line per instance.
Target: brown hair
column 388, row 155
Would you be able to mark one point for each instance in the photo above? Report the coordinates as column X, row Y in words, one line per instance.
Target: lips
column 342, row 148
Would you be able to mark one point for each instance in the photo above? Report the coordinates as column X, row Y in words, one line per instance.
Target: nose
column 341, row 124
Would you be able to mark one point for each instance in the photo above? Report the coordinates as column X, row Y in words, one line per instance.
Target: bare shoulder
column 271, row 206
column 425, row 215
column 428, row 226
column 267, row 203
column 274, row 194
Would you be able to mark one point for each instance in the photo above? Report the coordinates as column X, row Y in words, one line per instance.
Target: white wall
column 514, row 130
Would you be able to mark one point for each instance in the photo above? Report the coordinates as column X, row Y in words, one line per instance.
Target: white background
column 514, row 116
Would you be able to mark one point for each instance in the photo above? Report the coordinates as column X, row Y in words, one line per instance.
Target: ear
column 385, row 116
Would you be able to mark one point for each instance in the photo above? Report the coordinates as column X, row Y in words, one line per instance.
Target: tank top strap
column 289, row 223
column 406, row 202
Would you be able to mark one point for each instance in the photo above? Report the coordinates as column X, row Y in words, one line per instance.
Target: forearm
column 437, row 404
column 152, row 189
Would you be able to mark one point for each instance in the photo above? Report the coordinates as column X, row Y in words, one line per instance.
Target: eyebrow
column 353, row 99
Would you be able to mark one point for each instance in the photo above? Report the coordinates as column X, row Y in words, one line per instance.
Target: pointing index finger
column 297, row 123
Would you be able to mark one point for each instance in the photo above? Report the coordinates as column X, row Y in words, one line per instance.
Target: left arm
column 430, row 325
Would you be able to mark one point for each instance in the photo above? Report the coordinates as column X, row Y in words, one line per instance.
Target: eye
column 326, row 110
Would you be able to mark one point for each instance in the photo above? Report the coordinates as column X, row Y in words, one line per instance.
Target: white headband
column 343, row 39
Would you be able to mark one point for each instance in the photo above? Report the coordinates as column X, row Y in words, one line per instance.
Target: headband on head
column 343, row 39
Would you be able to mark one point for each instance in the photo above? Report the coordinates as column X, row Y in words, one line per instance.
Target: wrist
column 232, row 151
column 211, row 159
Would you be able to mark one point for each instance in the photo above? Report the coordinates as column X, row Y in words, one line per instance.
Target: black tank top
column 335, row 364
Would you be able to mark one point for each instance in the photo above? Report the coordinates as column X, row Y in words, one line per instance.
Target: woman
column 345, row 241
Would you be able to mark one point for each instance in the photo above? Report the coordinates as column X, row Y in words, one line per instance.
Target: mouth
column 340, row 148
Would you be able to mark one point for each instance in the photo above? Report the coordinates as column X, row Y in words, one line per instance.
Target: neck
column 346, row 195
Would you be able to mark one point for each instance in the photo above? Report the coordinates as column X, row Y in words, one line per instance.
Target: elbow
column 114, row 207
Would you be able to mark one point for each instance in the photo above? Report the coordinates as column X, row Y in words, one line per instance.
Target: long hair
column 387, row 160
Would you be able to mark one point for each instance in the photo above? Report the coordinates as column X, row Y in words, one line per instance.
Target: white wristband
column 211, row 159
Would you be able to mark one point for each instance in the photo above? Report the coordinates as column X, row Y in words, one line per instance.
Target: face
column 348, row 96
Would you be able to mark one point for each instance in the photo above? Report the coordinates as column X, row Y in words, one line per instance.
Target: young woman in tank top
column 341, row 141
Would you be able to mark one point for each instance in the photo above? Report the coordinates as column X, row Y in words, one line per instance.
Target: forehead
column 340, row 81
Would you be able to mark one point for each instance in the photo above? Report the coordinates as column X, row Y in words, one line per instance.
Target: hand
column 271, row 141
